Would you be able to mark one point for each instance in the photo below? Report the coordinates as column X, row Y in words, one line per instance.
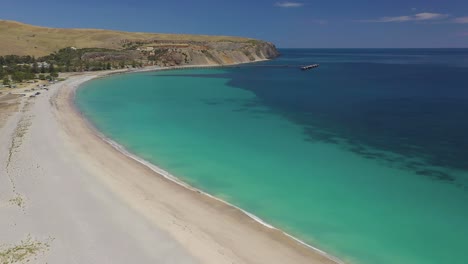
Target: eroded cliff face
column 214, row 53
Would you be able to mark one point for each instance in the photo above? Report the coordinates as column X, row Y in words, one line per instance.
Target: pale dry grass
column 22, row 39
column 23, row 252
column 9, row 104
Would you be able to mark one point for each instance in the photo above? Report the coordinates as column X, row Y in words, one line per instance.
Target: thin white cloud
column 288, row 4
column 416, row 17
column 461, row 20
column 429, row 16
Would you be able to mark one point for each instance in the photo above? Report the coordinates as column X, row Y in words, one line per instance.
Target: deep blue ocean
column 365, row 157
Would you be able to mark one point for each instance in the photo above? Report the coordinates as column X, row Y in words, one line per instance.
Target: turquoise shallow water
column 283, row 146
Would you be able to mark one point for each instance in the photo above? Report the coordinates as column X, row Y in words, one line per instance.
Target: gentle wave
column 176, row 180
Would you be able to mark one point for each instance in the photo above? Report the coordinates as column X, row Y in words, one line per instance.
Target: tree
column 29, row 75
column 54, row 74
column 42, row 77
column 6, row 80
column 35, row 68
column 108, row 66
column 18, row 76
column 67, row 66
column 51, row 68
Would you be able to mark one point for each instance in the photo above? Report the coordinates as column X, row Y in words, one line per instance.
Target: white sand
column 92, row 204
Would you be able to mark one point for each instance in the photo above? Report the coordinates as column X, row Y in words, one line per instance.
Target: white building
column 43, row 64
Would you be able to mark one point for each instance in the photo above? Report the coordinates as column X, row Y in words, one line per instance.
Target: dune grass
column 25, row 251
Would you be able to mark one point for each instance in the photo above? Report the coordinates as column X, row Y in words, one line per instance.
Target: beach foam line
column 175, row 179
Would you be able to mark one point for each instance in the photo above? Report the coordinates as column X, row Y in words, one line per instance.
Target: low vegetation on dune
column 27, row 250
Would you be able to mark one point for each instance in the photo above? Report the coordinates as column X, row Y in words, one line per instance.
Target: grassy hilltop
column 23, row 39
column 27, row 51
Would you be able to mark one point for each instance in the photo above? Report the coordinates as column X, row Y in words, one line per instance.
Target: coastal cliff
column 95, row 49
column 214, row 53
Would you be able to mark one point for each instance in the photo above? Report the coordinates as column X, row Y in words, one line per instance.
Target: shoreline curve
column 168, row 176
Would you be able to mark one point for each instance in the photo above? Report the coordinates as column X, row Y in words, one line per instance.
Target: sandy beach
column 71, row 197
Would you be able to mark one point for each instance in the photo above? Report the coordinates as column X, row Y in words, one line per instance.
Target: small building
column 43, row 64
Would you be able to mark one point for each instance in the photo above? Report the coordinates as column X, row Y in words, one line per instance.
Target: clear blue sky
column 307, row 23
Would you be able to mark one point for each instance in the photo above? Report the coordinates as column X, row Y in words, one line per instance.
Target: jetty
column 308, row 67
column 244, row 65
